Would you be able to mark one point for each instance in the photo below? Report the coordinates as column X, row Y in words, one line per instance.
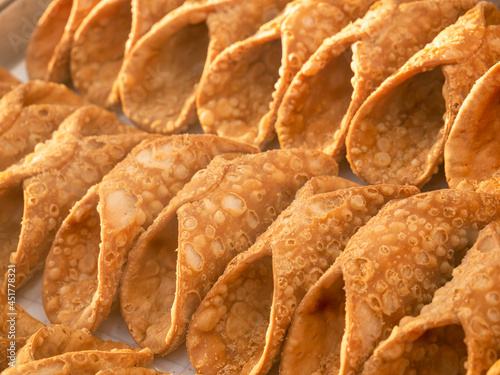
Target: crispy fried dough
column 131, row 371
column 471, row 152
column 241, row 324
column 390, row 269
column 98, row 50
column 160, row 75
column 103, row 39
column 17, row 326
column 54, row 340
column 324, row 96
column 85, row 362
column 145, row 14
column 48, row 53
column 105, row 224
column 240, row 93
column 29, row 114
column 398, row 134
column 458, row 332
column 41, row 190
column 217, row 215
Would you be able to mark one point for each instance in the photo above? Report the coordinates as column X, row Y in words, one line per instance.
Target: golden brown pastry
column 130, row 371
column 161, row 73
column 105, row 224
column 326, row 93
column 40, row 190
column 84, row 362
column 48, row 54
column 217, row 215
column 390, row 269
column 104, row 38
column 29, row 114
column 399, row 132
column 17, row 325
column 240, row 93
column 459, row 331
column 495, row 369
column 54, row 340
column 241, row 324
column 471, row 151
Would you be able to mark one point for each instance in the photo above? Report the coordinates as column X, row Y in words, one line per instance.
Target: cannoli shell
column 103, row 39
column 217, row 215
column 42, row 190
column 48, row 53
column 84, row 362
column 495, row 369
column 98, row 50
column 104, row 225
column 29, row 114
column 399, row 132
column 244, row 317
column 390, row 269
column 7, row 81
column 471, row 151
column 324, row 96
column 145, row 14
column 54, row 340
column 229, row 106
column 130, row 371
column 160, row 76
column 458, row 332
column 25, row 325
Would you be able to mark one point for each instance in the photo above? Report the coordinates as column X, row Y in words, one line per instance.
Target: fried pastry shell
column 41, row 190
column 130, row 371
column 84, row 362
column 399, row 132
column 242, row 322
column 98, row 50
column 48, row 53
column 25, row 326
column 160, row 75
column 458, row 332
column 390, row 269
column 326, row 93
column 217, row 215
column 29, row 114
column 54, row 340
column 471, row 151
column 240, row 94
column 105, row 224
column 103, row 39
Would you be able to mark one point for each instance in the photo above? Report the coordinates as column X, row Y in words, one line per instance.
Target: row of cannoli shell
column 93, row 42
column 459, row 331
column 241, row 324
column 216, row 216
column 329, row 89
column 390, row 269
column 399, row 132
column 92, row 245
